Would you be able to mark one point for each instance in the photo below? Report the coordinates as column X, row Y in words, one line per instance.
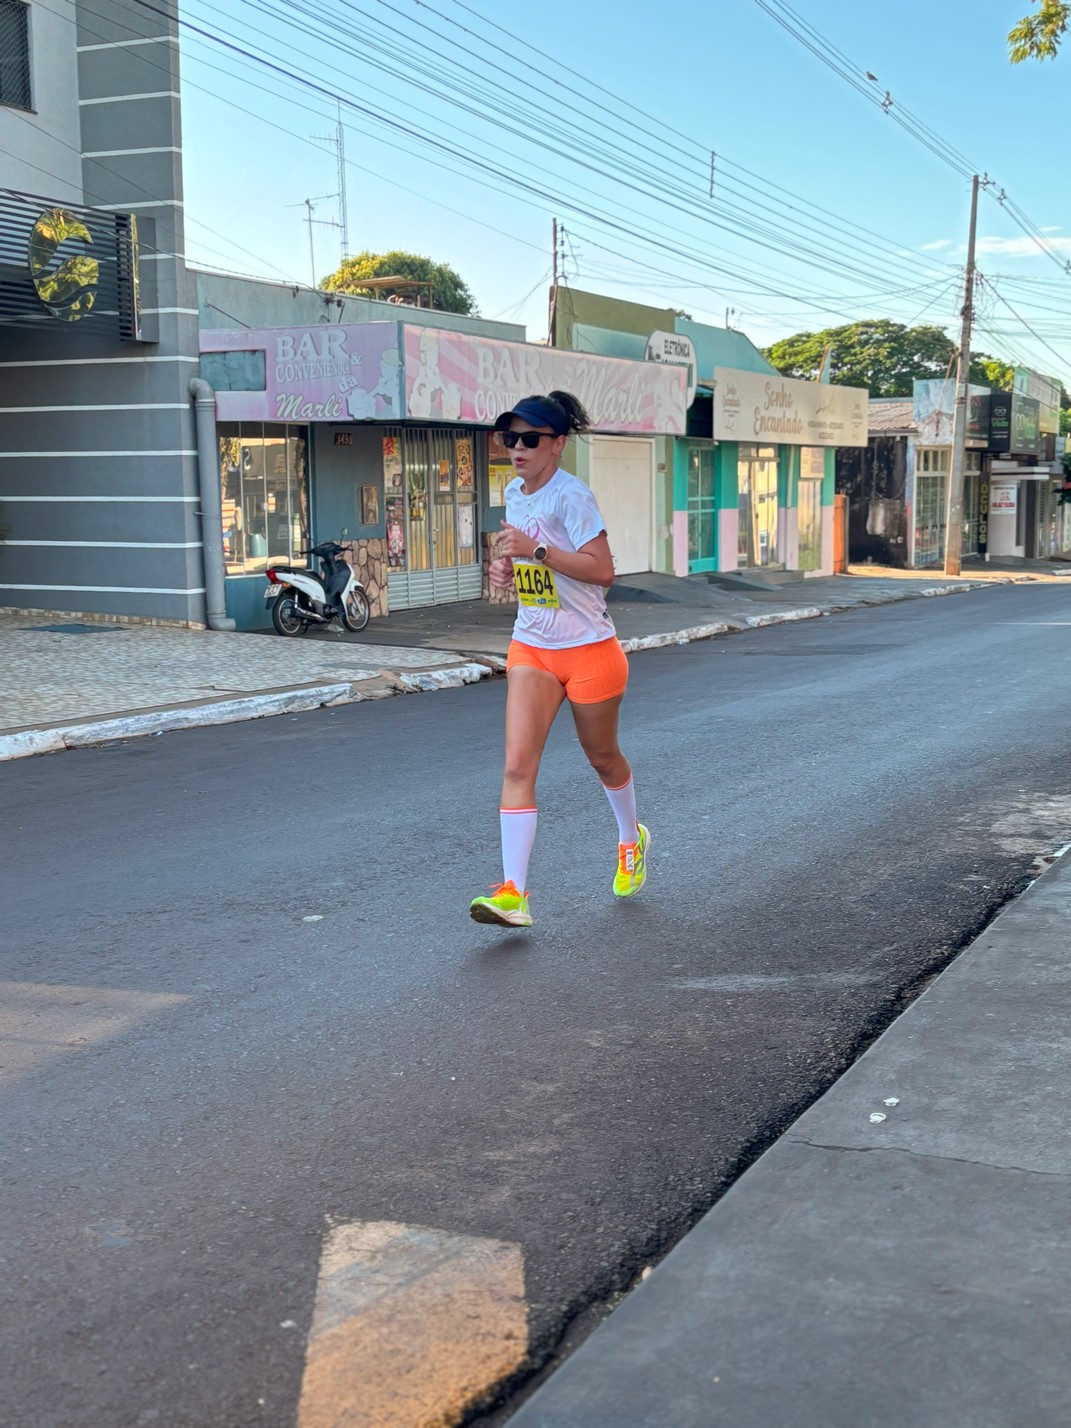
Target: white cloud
column 1050, row 230
column 937, row 246
column 1022, row 247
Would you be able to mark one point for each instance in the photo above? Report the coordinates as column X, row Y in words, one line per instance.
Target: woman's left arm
column 592, row 564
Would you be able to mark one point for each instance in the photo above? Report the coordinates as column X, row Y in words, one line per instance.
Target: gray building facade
column 98, row 318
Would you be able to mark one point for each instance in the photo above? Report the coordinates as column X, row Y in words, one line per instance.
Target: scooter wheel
column 355, row 611
column 286, row 617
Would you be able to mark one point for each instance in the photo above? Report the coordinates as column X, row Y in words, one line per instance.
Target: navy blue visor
column 536, row 411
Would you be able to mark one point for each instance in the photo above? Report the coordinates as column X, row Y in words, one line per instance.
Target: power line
column 771, row 238
column 862, row 81
column 444, row 148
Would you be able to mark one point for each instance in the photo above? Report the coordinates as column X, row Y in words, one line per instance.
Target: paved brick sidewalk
column 69, row 683
column 90, row 670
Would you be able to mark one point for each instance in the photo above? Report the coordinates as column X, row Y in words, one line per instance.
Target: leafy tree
column 448, row 292
column 1038, row 36
column 991, row 372
column 885, row 357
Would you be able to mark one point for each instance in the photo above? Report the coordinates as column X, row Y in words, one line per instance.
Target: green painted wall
column 573, row 307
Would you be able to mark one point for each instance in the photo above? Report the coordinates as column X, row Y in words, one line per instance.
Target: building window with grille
column 15, row 54
column 931, row 495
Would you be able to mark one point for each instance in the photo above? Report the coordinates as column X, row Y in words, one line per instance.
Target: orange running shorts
column 589, row 674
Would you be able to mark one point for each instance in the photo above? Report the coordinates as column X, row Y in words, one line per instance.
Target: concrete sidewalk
column 70, row 682
column 900, row 1258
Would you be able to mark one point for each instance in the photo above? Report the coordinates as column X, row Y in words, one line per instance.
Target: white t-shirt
column 563, row 514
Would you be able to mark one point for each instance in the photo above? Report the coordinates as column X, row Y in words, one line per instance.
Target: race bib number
column 535, row 586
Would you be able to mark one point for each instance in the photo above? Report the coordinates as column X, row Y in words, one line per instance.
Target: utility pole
column 309, row 204
column 337, row 140
column 343, row 202
column 553, row 310
column 954, row 520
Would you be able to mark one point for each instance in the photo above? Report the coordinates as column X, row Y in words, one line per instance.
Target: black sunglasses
column 531, row 439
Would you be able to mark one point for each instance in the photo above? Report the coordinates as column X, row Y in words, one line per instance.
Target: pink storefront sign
column 325, row 373
column 454, row 377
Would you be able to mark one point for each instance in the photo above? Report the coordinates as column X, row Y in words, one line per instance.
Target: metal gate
column 442, row 538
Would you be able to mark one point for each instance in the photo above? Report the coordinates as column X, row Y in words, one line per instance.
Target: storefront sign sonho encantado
column 762, row 407
column 386, row 371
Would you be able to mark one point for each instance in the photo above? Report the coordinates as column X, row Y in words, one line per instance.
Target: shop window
column 264, row 487
column 933, row 460
column 757, row 485
column 15, row 89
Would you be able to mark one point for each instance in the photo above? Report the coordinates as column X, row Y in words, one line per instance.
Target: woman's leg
column 596, row 727
column 533, row 698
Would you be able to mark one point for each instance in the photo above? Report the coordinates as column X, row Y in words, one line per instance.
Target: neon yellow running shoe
column 506, row 907
column 632, row 864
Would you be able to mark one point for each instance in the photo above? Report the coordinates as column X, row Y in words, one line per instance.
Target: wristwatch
column 540, row 553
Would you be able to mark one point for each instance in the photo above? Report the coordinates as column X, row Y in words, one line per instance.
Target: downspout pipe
column 204, row 408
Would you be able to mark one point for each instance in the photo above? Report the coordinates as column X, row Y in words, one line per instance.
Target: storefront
column 1027, row 514
column 724, row 496
column 772, row 467
column 378, row 434
column 932, row 468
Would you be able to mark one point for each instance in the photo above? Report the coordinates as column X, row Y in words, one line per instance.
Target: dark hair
column 576, row 417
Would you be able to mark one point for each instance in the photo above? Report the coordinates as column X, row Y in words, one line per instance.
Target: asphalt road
column 196, row 1077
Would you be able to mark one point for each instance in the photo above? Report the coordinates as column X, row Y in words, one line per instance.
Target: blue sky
column 801, row 155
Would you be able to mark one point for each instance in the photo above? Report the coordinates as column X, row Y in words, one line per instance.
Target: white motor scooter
column 301, row 598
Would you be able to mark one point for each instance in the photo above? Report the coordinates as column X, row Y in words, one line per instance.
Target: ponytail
column 575, row 415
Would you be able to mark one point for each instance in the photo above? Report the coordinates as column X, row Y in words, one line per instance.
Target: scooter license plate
column 272, row 592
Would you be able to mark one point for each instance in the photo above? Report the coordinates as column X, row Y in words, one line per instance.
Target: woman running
column 564, row 646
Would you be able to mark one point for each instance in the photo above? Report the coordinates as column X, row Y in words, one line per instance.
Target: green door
column 702, row 523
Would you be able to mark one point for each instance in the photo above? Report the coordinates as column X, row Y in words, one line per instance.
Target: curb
column 29, row 742
column 84, row 734
column 785, row 617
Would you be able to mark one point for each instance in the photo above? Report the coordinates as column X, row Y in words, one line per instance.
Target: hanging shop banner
column 1000, row 421
column 325, row 373
column 1025, row 425
column 1015, row 424
column 1046, row 392
column 455, row 377
column 934, row 412
column 760, row 406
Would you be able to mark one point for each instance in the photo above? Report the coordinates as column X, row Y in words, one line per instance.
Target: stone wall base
column 492, row 549
column 369, row 561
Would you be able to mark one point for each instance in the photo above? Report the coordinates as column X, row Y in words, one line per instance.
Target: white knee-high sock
column 518, row 834
column 623, row 802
